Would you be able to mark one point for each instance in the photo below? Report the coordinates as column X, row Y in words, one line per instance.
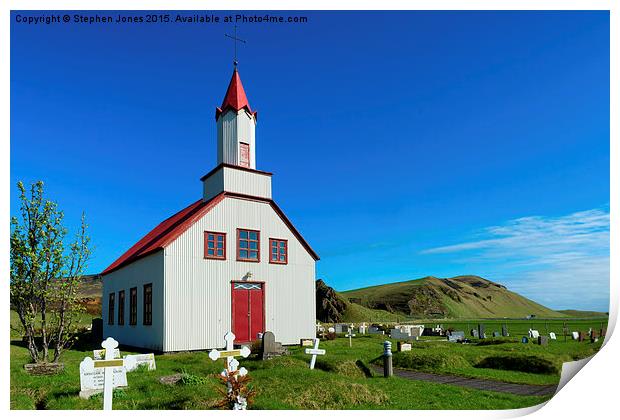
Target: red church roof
column 235, row 98
column 170, row 229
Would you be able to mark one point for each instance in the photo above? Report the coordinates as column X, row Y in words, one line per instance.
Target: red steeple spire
column 235, row 97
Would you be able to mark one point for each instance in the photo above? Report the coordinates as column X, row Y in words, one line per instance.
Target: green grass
column 340, row 381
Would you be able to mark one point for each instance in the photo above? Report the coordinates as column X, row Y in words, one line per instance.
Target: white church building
column 229, row 261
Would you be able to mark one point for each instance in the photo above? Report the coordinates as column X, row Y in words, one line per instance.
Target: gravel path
column 482, row 384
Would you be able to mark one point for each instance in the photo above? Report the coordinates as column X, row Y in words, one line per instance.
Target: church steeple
column 235, row 127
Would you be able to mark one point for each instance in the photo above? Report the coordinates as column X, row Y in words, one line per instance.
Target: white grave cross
column 232, row 364
column 350, row 334
column 108, row 365
column 315, row 351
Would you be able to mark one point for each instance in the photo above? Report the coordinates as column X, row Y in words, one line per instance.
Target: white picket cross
column 232, row 364
column 315, row 351
column 108, row 365
column 350, row 335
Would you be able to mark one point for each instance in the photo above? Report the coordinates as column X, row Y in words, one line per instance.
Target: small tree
column 45, row 274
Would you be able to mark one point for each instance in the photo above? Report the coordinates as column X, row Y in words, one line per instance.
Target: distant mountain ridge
column 431, row 297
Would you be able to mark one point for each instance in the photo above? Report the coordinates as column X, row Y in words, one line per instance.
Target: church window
column 121, row 307
column 133, row 306
column 215, row 245
column 244, row 155
column 111, row 309
column 248, row 245
column 147, row 314
column 278, row 251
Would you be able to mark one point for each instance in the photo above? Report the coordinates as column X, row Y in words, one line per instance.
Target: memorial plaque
column 133, row 361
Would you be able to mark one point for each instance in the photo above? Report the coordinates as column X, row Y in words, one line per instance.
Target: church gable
column 238, row 212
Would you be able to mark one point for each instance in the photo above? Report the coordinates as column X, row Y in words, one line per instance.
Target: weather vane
column 235, row 39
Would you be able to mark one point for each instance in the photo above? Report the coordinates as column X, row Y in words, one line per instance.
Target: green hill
column 583, row 314
column 457, row 297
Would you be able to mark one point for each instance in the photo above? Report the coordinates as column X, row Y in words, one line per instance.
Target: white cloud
column 562, row 262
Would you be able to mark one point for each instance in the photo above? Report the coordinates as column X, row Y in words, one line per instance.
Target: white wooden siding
column 198, row 291
column 233, row 128
column 238, row 181
column 149, row 269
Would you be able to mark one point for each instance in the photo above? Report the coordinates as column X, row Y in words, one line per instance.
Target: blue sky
column 402, row 144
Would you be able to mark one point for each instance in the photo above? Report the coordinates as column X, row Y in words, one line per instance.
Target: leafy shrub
column 519, row 363
column 191, row 379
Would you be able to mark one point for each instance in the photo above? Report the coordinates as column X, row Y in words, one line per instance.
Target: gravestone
column 96, row 330
column 134, row 361
column 456, row 336
column 403, row 346
column 581, row 336
column 270, row 347
column 534, row 333
column 495, row 334
column 375, row 330
column 552, row 336
column 575, row 335
column 474, row 333
column 306, row 342
column 593, row 336
column 543, row 340
column 481, row 333
column 524, row 340
column 363, row 329
column 505, row 331
column 341, row 328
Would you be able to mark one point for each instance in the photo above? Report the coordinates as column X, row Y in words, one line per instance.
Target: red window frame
column 215, row 248
column 121, row 307
column 147, row 304
column 248, row 249
column 133, row 306
column 278, row 252
column 111, row 308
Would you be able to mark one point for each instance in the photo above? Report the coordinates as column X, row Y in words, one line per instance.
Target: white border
column 591, row 394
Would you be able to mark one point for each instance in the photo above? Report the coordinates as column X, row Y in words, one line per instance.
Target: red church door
column 248, row 311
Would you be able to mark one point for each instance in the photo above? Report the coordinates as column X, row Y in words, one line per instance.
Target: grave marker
column 575, row 335
column 315, row 351
column 133, row 361
column 232, row 365
column 363, row 329
column 89, row 368
column 524, row 340
column 543, row 340
column 481, row 333
column 505, row 331
column 552, row 336
column 400, row 346
column 533, row 333
column 350, row 335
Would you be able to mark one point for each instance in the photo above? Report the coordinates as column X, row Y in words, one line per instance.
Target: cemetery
column 340, row 371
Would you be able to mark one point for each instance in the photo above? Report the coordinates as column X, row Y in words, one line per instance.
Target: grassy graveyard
column 343, row 379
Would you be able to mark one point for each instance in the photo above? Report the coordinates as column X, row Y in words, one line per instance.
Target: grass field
column 340, row 380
